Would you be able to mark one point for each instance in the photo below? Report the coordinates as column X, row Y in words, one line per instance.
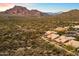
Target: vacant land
column 20, row 35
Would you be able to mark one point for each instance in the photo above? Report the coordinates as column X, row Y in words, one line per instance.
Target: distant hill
column 50, row 13
column 74, row 14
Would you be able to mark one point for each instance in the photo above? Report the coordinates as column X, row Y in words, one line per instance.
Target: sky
column 44, row 7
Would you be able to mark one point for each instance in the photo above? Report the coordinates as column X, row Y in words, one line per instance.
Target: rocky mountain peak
column 19, row 10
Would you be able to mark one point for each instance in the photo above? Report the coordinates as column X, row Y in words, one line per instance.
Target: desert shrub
column 22, row 35
column 20, row 52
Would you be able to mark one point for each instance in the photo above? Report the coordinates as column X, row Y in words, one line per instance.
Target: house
column 50, row 32
column 67, row 39
column 73, row 43
column 71, row 33
column 64, row 39
column 61, row 29
column 52, row 36
column 77, row 26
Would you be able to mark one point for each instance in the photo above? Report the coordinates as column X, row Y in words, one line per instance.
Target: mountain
column 23, row 11
column 72, row 14
column 50, row 13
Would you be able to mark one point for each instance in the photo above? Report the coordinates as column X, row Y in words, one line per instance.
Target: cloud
column 5, row 6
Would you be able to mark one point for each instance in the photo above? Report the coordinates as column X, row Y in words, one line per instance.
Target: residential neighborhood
column 68, row 37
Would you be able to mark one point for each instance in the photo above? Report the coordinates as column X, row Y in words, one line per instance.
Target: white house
column 77, row 26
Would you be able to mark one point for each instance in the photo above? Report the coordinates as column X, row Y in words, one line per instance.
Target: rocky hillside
column 19, row 10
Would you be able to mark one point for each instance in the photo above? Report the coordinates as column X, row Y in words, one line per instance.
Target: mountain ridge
column 22, row 11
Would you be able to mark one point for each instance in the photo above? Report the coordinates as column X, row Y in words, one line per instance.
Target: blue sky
column 52, row 7
column 45, row 7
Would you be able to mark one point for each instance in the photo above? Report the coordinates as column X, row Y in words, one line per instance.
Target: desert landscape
column 25, row 32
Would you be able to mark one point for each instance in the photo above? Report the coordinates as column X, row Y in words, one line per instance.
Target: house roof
column 77, row 26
